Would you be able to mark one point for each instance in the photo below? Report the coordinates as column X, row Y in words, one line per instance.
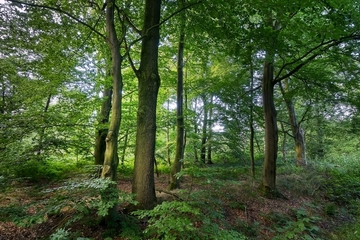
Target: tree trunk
column 297, row 131
column 126, row 140
column 320, row 149
column 42, row 132
column 185, row 120
column 204, row 133
column 252, row 131
column 179, row 154
column 271, row 133
column 126, row 137
column 196, row 130
column 208, row 141
column 168, row 151
column 149, row 81
column 111, row 159
column 284, row 141
column 100, row 144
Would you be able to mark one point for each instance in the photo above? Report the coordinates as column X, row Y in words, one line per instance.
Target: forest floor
column 303, row 213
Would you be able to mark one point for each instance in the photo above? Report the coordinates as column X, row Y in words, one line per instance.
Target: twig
column 170, row 193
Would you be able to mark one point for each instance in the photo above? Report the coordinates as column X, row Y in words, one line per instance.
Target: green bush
column 36, row 170
column 184, row 220
column 343, row 186
column 11, row 213
column 300, row 226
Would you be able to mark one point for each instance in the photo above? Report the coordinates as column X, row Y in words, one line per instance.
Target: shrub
column 76, row 200
column 343, row 186
column 184, row 220
column 301, row 226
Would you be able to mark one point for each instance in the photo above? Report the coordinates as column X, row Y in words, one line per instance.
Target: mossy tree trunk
column 100, row 144
column 297, row 131
column 111, row 159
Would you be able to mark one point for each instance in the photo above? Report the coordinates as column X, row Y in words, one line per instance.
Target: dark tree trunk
column 284, row 141
column 252, row 131
column 42, row 131
column 100, row 144
column 271, row 133
column 185, row 120
column 204, row 130
column 208, row 141
column 320, row 149
column 196, row 130
column 149, row 81
column 168, row 150
column 179, row 154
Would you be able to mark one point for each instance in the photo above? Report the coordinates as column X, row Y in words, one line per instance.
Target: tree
column 297, row 132
column 111, row 159
column 149, row 83
column 179, row 153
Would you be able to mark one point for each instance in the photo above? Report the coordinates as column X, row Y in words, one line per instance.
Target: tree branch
column 163, row 21
column 324, row 45
column 57, row 9
column 128, row 20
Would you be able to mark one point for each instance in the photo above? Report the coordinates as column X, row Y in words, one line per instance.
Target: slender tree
column 111, row 159
column 297, row 132
column 179, row 154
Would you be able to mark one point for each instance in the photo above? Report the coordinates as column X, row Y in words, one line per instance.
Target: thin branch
column 303, row 116
column 123, row 27
column 128, row 20
column 326, row 45
column 130, row 59
column 57, row 9
column 162, row 22
column 170, row 193
column 174, row 13
column 302, row 57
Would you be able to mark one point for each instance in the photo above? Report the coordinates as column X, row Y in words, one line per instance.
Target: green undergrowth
column 82, row 201
column 191, row 219
column 201, row 211
column 296, row 224
column 37, row 170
